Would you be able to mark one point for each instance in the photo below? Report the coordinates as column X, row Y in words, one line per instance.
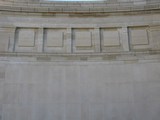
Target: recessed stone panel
column 4, row 41
column 6, row 38
column 111, row 38
column 155, row 35
column 83, row 39
column 26, row 38
column 54, row 38
column 139, row 36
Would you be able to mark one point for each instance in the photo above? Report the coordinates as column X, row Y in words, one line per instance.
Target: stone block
column 73, row 112
column 16, row 112
column 139, row 36
column 4, row 39
column 83, row 39
column 54, row 38
column 2, row 73
column 26, row 38
column 111, row 38
column 55, row 111
column 96, row 111
column 155, row 36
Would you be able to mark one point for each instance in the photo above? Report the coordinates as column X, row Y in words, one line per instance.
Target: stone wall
column 80, row 61
column 79, row 90
column 79, row 34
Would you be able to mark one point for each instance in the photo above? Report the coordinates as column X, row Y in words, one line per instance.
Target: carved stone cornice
column 78, row 7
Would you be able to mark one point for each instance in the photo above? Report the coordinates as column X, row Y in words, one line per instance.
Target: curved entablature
column 78, row 6
column 71, row 28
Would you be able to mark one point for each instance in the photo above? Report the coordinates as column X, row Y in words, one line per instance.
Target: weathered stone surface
column 26, row 38
column 79, row 60
column 155, row 35
column 81, row 90
column 4, row 39
column 111, row 38
column 139, row 36
column 54, row 38
column 83, row 39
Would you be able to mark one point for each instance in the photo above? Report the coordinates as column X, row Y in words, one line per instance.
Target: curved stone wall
column 80, row 60
column 80, row 7
column 72, row 30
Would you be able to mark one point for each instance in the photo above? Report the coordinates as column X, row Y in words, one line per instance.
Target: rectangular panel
column 26, row 38
column 4, row 39
column 155, row 34
column 83, row 39
column 111, row 38
column 54, row 38
column 139, row 36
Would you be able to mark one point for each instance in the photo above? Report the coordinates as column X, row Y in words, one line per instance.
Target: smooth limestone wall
column 79, row 90
column 80, row 61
